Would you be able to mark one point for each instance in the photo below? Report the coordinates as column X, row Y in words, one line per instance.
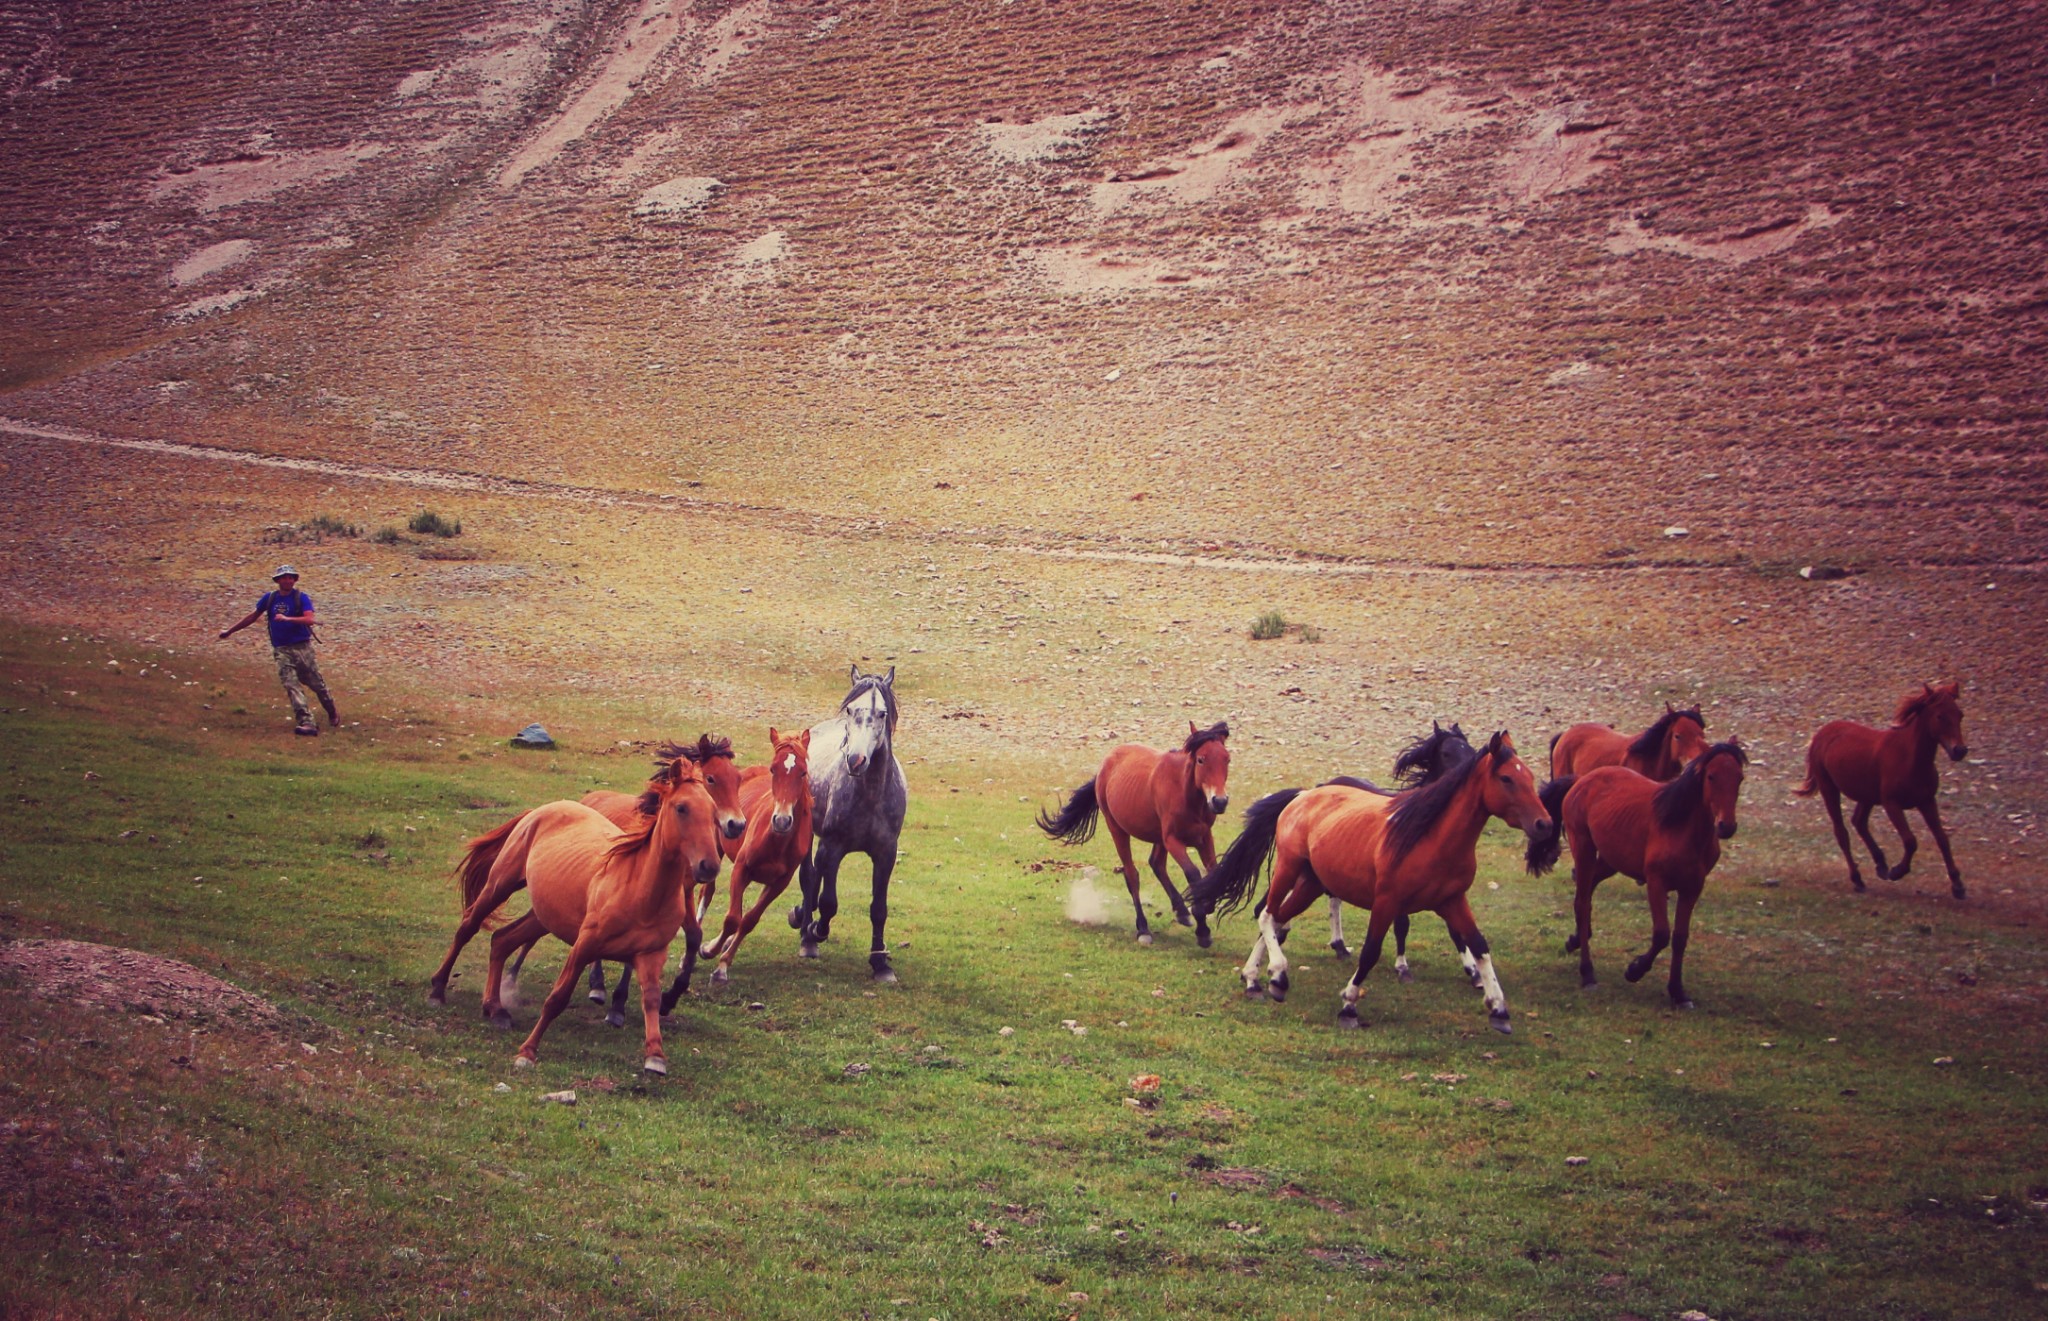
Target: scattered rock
column 1674, row 532
column 1007, row 1032
column 533, row 736
column 1576, row 1161
column 1943, row 1061
column 566, row 1097
column 857, row 1070
column 1821, row 573
column 502, row 1087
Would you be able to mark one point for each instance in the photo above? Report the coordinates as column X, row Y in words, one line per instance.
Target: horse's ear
column 1193, row 729
column 1954, row 688
column 889, row 679
column 853, row 674
column 1434, row 727
column 803, row 740
column 773, row 738
column 1497, row 744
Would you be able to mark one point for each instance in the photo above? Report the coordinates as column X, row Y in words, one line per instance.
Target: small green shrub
column 329, row 525
column 430, row 524
column 1307, row 633
column 1268, row 626
column 386, row 536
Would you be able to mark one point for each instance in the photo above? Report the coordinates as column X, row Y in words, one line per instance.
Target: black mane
column 1215, row 733
column 1416, row 811
column 1429, row 756
column 1651, row 741
column 1676, row 801
column 704, row 749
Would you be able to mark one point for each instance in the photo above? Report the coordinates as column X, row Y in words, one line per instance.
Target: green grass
column 1289, row 1169
column 430, row 524
column 1268, row 626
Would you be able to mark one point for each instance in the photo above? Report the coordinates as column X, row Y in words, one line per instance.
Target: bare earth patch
column 109, row 978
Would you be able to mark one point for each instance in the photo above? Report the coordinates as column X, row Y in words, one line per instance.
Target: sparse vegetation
column 1307, row 633
column 1269, row 626
column 311, row 532
column 430, row 524
column 387, row 536
column 330, row 526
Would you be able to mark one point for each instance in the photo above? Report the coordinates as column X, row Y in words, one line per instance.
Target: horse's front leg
column 827, row 906
column 1129, row 870
column 770, row 891
column 1187, row 866
column 580, row 956
column 878, row 913
column 649, row 965
column 615, row 1016
column 597, row 995
column 1157, row 862
column 693, row 940
column 1931, row 814
column 1679, row 935
column 728, row 933
column 1457, row 915
column 806, row 904
column 1861, row 820
column 1660, row 928
column 1375, row 941
column 1897, row 817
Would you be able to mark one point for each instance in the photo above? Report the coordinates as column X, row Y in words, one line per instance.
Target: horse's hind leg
column 1129, row 869
column 1375, row 941
column 1861, row 820
column 1180, row 908
column 557, row 1001
column 1831, row 799
column 1457, row 915
column 1898, row 819
column 507, row 878
column 1931, row 814
column 1466, row 958
column 1337, row 927
column 1158, row 864
column 521, row 936
column 597, row 980
column 1303, row 889
column 615, row 1016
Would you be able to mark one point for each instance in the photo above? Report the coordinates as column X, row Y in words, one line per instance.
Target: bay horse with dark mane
column 1890, row 768
column 1660, row 752
column 1666, row 837
column 1169, row 800
column 611, row 893
column 1413, row 853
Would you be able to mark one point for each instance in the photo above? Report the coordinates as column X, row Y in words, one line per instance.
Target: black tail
column 1231, row 879
column 1543, row 853
column 1076, row 822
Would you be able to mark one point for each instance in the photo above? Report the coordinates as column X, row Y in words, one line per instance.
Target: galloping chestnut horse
column 713, row 757
column 1666, row 837
column 1660, row 751
column 1892, row 768
column 778, row 839
column 611, row 893
column 1415, row 852
column 1166, row 799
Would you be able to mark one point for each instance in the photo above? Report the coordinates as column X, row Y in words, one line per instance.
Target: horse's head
column 713, row 757
column 1687, row 736
column 870, row 711
column 789, row 777
column 1721, row 768
column 1209, row 759
column 1509, row 789
column 685, row 818
column 1941, row 707
column 1431, row 755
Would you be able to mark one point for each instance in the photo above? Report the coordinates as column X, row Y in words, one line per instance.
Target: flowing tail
column 1231, row 879
column 1553, row 751
column 1543, row 853
column 475, row 868
column 1076, row 822
column 1813, row 774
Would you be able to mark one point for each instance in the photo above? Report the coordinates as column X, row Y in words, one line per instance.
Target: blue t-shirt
column 282, row 634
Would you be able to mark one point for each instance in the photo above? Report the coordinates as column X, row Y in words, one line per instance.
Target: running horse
column 1412, row 853
column 611, row 893
column 1665, row 837
column 858, row 800
column 1169, row 800
column 778, row 839
column 712, row 755
column 1892, row 768
column 1660, row 752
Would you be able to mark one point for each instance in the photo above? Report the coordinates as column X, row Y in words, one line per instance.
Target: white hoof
column 521, row 1062
column 719, row 976
column 1144, row 938
column 655, row 1064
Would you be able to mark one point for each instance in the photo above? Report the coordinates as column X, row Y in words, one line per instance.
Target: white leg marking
column 1489, row 985
column 508, row 989
column 1276, row 953
column 1336, row 921
column 1250, row 971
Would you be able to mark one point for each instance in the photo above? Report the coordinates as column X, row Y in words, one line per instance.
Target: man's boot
column 333, row 720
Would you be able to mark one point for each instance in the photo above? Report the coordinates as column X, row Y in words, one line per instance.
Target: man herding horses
column 290, row 613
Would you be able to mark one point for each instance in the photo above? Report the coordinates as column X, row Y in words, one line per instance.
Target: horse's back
column 1849, row 753
column 570, row 842
column 619, row 809
column 1586, row 747
column 1339, row 830
column 1123, row 790
column 1611, row 806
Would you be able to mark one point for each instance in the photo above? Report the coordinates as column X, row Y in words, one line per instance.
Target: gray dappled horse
column 858, row 797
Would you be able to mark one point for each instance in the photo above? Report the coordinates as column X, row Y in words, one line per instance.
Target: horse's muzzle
column 1726, row 830
column 1958, row 752
column 734, row 826
column 1542, row 831
column 856, row 762
column 707, row 870
column 1219, row 803
column 782, row 822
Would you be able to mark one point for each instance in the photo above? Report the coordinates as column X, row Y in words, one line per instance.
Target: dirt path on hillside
column 1240, row 557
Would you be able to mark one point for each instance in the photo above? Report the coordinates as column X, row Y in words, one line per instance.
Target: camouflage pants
column 298, row 671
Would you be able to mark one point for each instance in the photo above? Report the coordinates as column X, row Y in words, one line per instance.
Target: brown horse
column 778, row 839
column 610, row 893
column 1412, row 853
column 713, row 757
column 1666, row 837
column 1169, row 800
column 1660, row 752
column 1892, row 768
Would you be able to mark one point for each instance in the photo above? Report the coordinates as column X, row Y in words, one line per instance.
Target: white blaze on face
column 789, row 761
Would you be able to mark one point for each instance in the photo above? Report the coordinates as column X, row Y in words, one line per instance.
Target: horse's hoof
column 1204, row 939
column 1183, row 918
column 437, row 996
column 1633, row 974
column 1956, row 891
column 719, row 976
column 885, row 976
column 654, row 1064
column 1348, row 1019
column 1254, row 991
column 1144, row 938
column 1403, row 973
column 1280, row 987
column 1856, row 885
column 522, row 1061
column 1499, row 1023
column 1588, row 984
column 1571, row 944
column 807, row 950
column 501, row 1019
column 796, row 918
column 1897, row 873
column 614, row 1019
column 1683, row 1004
column 595, row 996
column 1338, row 948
